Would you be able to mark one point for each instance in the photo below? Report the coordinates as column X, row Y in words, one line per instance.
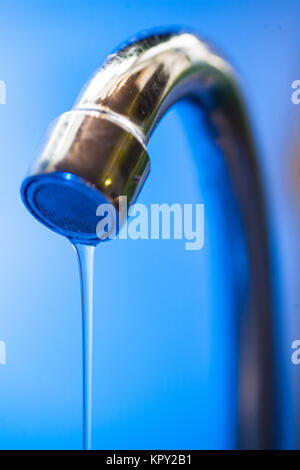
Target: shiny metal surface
column 102, row 141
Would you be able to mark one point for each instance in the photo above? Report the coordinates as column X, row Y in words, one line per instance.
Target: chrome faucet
column 97, row 153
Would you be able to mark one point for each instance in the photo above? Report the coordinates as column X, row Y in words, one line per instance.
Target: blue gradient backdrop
column 164, row 357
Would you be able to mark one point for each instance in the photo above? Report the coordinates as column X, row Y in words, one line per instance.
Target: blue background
column 164, row 357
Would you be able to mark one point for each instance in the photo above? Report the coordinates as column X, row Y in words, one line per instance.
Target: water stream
column 85, row 256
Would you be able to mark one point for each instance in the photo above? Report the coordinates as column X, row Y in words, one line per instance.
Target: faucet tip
column 65, row 203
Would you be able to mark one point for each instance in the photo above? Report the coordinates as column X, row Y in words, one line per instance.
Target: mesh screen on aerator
column 68, row 207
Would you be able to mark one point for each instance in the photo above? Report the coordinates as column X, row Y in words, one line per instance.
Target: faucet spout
column 97, row 152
